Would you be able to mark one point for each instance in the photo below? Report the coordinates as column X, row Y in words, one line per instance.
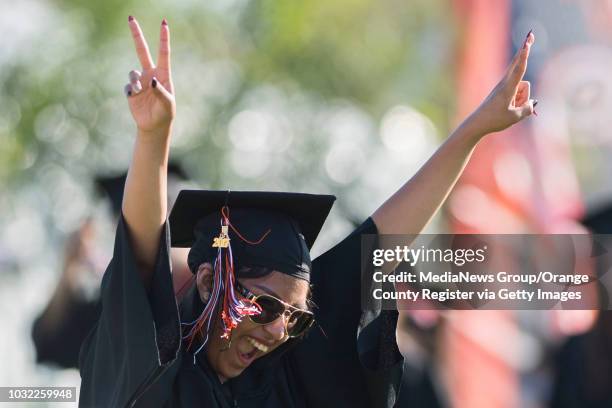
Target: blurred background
column 347, row 97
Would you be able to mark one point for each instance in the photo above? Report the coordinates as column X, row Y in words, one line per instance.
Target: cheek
column 245, row 327
column 248, row 328
column 219, row 355
column 217, row 345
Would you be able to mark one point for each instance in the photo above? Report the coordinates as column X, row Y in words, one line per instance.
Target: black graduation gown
column 134, row 356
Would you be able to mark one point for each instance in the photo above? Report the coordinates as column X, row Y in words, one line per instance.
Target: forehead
column 287, row 288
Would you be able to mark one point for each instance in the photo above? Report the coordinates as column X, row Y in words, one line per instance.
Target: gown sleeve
column 137, row 337
column 357, row 349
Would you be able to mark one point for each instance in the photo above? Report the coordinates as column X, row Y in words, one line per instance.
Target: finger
column 514, row 61
column 517, row 71
column 161, row 93
column 517, row 55
column 127, row 90
column 134, row 76
column 136, row 87
column 523, row 94
column 526, row 109
column 142, row 49
column 163, row 60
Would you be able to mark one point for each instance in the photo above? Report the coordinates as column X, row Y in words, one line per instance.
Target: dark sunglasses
column 272, row 308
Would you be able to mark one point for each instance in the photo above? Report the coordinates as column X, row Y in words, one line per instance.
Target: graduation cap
column 232, row 229
column 308, row 210
column 111, row 186
column 291, row 221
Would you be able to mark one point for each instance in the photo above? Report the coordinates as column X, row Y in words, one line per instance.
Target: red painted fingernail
column 535, row 113
column 154, row 83
column 130, row 18
column 535, row 103
column 164, row 22
column 528, row 34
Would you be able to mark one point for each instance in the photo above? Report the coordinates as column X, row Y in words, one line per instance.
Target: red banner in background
column 516, row 182
column 477, row 372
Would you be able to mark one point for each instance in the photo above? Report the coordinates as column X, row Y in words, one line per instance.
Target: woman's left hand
column 510, row 100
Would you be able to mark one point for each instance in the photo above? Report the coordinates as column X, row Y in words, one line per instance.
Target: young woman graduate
column 239, row 338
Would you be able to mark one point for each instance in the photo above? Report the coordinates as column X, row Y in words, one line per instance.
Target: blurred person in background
column 135, row 357
column 74, row 307
column 584, row 362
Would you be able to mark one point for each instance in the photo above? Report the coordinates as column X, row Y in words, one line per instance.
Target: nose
column 277, row 328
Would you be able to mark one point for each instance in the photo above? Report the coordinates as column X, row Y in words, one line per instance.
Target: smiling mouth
column 247, row 358
column 258, row 346
column 258, row 350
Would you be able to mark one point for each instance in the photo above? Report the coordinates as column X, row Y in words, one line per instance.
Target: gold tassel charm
column 222, row 241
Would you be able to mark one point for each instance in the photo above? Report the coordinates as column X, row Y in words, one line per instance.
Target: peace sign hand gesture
column 509, row 102
column 150, row 92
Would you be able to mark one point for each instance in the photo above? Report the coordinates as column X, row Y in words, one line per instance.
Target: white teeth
column 261, row 347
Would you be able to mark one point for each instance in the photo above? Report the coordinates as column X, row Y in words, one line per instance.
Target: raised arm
column 409, row 210
column 151, row 100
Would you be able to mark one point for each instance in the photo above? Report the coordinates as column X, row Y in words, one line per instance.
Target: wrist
column 156, row 134
column 154, row 142
column 469, row 132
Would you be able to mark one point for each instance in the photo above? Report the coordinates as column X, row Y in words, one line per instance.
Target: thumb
column 161, row 93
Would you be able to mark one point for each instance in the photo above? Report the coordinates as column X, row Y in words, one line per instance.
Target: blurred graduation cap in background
column 111, row 185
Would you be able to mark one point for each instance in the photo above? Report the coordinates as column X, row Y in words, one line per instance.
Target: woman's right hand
column 150, row 92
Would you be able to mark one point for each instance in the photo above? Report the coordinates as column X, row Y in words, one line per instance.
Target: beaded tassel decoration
column 232, row 308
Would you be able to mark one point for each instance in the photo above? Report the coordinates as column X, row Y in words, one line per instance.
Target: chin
column 227, row 366
column 231, row 362
column 230, row 373
column 227, row 370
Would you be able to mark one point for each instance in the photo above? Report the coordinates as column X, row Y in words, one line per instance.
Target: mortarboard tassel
column 233, row 309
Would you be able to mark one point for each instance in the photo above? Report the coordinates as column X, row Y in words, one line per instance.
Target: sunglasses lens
column 299, row 322
column 271, row 309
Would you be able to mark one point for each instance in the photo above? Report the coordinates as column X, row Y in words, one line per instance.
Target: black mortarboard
column 293, row 220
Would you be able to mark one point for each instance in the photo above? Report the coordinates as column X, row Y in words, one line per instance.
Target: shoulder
column 352, row 243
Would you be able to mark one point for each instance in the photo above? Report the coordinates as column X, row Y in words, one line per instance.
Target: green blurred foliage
column 62, row 91
column 353, row 49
